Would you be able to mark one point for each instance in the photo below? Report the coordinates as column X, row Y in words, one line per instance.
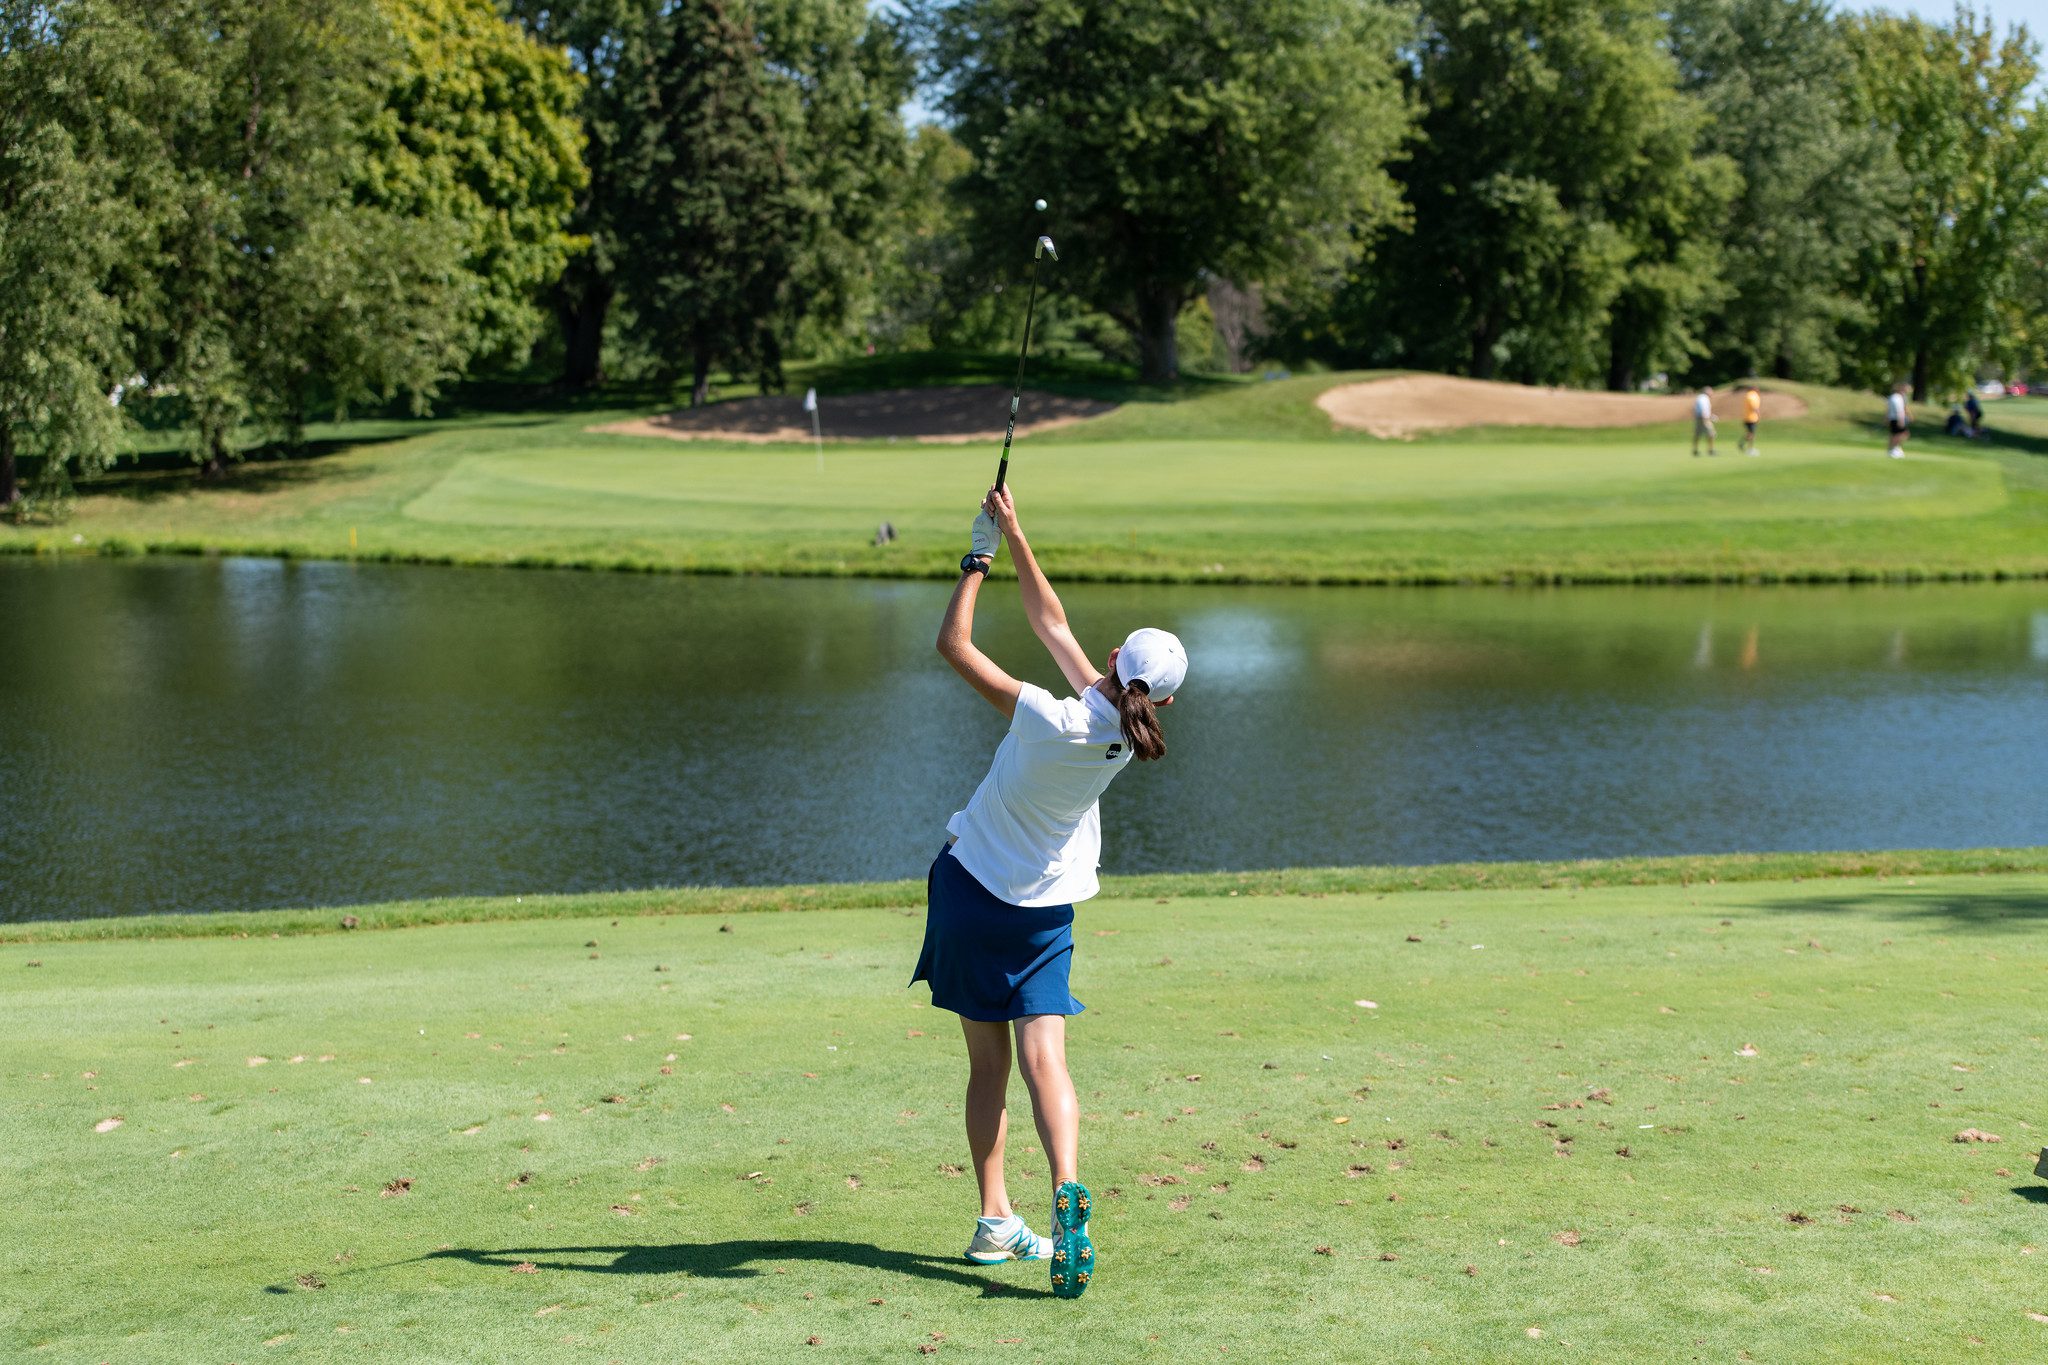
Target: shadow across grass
column 740, row 1259
column 1993, row 906
column 2033, row 1194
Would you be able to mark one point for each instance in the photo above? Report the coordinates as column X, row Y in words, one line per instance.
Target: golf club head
column 1046, row 248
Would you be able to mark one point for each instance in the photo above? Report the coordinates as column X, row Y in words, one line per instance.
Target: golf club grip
column 1002, row 469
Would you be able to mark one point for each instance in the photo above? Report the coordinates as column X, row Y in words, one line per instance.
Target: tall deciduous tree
column 607, row 42
column 478, row 130
column 1971, row 149
column 1672, row 208
column 66, row 73
column 839, row 76
column 712, row 229
column 1173, row 140
column 1777, row 80
column 1553, row 175
column 270, row 288
column 832, row 80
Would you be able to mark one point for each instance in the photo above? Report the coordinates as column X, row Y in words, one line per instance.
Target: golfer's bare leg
column 988, row 1116
column 1042, row 1056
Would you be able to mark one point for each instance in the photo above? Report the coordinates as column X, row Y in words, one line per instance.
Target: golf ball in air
column 1038, row 204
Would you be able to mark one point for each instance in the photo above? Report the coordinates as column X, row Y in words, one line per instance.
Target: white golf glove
column 986, row 537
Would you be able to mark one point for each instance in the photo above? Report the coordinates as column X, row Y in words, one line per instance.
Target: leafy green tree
column 1173, row 141
column 923, row 247
column 65, row 71
column 1970, row 145
column 1778, row 82
column 478, row 130
column 1671, row 209
column 608, row 44
column 833, row 77
column 930, row 289
column 1553, row 178
column 840, row 76
column 269, row 287
column 713, row 228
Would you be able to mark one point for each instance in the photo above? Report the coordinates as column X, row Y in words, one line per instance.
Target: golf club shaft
column 1017, row 390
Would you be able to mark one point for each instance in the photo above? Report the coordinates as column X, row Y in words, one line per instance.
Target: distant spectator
column 1897, row 420
column 1703, row 421
column 1752, row 413
column 1974, row 410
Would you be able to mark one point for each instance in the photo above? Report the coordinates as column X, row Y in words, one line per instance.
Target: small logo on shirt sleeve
column 1114, row 750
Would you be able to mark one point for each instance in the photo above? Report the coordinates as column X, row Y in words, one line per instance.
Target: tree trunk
column 215, row 465
column 581, row 305
column 1916, row 305
column 1484, row 333
column 1158, row 336
column 700, row 377
column 1621, row 376
column 10, row 488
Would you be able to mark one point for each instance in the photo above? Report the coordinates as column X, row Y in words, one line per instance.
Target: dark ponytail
column 1140, row 720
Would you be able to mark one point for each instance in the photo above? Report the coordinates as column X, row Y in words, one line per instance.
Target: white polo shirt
column 1032, row 833
column 1895, row 408
column 1702, row 409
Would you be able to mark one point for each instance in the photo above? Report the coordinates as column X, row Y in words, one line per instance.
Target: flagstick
column 817, row 432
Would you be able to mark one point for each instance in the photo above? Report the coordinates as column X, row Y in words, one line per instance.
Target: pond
column 226, row 734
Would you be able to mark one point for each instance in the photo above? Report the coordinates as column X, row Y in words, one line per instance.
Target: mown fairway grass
column 706, row 1137
column 1231, row 481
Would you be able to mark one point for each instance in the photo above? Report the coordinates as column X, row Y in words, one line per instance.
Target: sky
column 2032, row 13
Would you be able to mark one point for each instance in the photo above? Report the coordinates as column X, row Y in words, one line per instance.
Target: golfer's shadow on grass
column 738, row 1260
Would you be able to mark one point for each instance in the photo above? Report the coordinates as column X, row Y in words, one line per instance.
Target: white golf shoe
column 1006, row 1239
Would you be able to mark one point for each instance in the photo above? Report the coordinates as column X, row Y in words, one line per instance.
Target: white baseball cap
column 1155, row 658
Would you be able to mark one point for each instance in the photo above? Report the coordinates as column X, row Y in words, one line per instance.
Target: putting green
column 1284, row 490
column 1598, row 1122
column 1239, row 481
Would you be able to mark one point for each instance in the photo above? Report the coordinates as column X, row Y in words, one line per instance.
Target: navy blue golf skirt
column 987, row 959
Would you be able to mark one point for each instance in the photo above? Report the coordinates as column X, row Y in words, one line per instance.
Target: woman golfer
column 999, row 930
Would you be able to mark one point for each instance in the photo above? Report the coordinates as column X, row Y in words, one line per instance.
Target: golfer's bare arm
column 957, row 647
column 1042, row 605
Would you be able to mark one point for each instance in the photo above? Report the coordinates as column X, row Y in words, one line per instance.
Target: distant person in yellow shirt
column 1752, row 413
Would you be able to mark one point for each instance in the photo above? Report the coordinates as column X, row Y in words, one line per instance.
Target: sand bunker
column 1426, row 402
column 974, row 413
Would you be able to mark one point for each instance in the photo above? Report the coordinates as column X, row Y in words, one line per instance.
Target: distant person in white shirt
column 1703, row 420
column 999, row 935
column 1897, row 421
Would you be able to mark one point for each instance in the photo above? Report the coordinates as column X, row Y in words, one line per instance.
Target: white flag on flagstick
column 810, row 400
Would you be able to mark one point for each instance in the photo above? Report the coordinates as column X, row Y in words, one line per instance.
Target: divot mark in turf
column 108, row 1125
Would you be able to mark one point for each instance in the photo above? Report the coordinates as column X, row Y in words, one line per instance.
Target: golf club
column 1043, row 248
